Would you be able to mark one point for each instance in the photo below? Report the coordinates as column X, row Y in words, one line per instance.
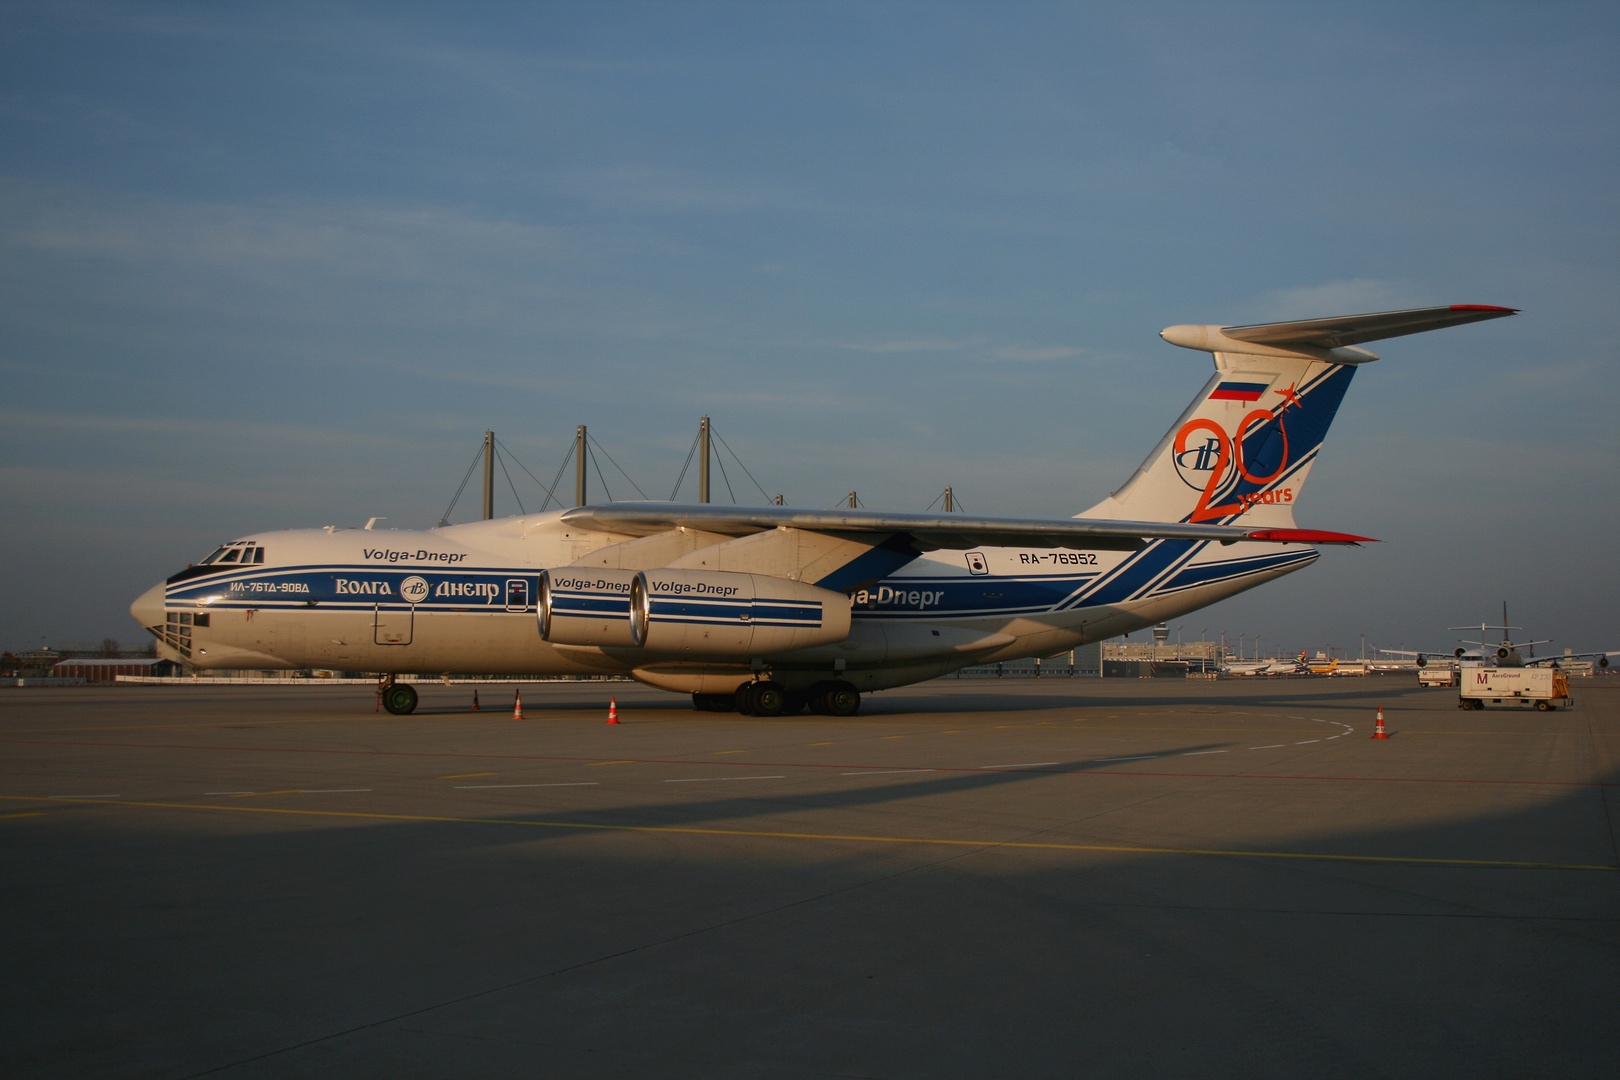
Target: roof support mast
column 489, row 475
column 580, row 451
column 703, row 460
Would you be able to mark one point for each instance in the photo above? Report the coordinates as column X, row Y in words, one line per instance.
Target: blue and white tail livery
column 774, row 609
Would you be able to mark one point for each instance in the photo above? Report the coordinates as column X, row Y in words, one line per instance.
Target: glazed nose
column 148, row 607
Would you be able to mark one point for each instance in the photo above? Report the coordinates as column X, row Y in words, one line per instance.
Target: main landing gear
column 397, row 698
column 768, row 698
column 835, row 698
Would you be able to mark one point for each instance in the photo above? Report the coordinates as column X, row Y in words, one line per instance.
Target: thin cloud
column 1349, row 296
column 911, row 345
column 1037, row 355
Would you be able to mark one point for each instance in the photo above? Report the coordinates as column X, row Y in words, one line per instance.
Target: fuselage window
column 232, row 555
column 258, row 555
column 216, row 554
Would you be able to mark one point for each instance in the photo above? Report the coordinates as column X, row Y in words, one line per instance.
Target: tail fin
column 1245, row 446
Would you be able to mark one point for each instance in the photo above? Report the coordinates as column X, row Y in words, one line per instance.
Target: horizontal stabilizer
column 1354, row 329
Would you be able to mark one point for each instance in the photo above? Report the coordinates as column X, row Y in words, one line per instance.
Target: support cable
column 500, row 459
column 555, row 480
column 615, row 464
column 720, row 461
column 445, row 519
column 739, row 462
column 591, row 457
column 531, row 475
column 690, row 454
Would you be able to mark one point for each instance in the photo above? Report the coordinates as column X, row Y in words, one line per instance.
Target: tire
column 816, row 697
column 767, row 698
column 743, row 700
column 714, row 702
column 843, row 700
column 400, row 699
column 1543, row 706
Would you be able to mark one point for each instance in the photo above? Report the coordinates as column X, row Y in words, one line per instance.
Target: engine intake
column 716, row 613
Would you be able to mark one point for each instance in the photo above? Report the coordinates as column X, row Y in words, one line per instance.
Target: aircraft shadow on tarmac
column 848, row 798
column 899, row 702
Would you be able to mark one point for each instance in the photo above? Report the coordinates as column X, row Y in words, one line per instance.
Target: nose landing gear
column 397, row 698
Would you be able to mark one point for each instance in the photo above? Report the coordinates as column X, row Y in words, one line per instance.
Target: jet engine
column 586, row 606
column 718, row 613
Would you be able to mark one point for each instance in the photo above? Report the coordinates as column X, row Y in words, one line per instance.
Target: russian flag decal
column 1238, row 391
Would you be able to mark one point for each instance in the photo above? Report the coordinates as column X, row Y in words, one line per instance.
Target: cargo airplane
column 770, row 610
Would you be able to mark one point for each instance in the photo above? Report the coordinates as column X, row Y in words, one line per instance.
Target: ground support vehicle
column 1510, row 687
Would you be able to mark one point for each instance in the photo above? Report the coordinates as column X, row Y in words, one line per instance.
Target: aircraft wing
column 1354, row 329
column 929, row 531
column 1535, row 660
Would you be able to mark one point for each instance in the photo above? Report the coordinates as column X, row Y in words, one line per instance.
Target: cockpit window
column 237, row 552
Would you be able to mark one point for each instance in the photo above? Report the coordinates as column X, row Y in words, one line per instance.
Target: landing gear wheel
column 842, row 699
column 765, row 698
column 399, row 699
column 714, row 702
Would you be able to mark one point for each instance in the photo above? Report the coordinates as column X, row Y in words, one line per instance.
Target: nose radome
column 148, row 607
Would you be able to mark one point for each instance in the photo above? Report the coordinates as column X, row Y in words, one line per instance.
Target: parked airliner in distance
column 1502, row 653
column 768, row 610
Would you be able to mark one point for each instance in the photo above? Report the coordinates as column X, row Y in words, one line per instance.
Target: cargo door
column 390, row 626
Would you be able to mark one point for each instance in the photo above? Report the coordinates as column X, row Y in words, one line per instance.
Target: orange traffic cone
column 476, row 707
column 1378, row 731
column 613, row 710
column 517, row 704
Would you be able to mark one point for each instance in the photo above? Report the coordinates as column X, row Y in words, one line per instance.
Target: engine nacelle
column 716, row 613
column 586, row 606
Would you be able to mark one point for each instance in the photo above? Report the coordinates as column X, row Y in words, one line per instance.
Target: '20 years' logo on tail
column 1203, row 463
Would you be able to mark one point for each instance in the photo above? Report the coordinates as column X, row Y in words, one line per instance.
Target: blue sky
column 266, row 266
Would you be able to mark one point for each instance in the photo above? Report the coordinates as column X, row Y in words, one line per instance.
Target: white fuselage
column 462, row 599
